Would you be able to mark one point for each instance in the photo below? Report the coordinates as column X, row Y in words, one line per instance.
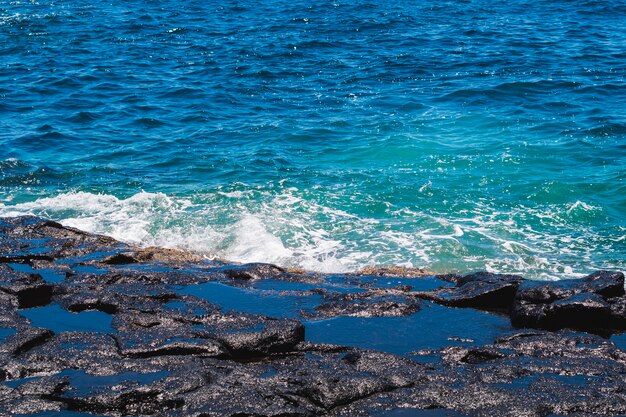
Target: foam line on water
column 290, row 228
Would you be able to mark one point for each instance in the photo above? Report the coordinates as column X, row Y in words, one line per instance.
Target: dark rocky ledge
column 90, row 326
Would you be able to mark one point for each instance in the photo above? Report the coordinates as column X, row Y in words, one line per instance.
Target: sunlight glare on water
column 455, row 136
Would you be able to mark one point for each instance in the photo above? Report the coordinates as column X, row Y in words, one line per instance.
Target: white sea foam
column 254, row 243
column 580, row 205
column 293, row 229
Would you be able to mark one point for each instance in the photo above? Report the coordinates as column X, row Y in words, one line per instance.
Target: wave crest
column 293, row 228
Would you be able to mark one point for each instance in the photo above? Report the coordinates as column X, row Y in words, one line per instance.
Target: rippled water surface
column 456, row 135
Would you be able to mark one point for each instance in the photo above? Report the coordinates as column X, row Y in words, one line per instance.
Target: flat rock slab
column 91, row 326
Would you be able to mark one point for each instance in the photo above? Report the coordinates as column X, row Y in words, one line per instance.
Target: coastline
column 91, row 325
column 312, row 209
column 289, row 228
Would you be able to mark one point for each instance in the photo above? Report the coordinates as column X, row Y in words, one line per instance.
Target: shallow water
column 455, row 136
column 59, row 320
column 406, row 335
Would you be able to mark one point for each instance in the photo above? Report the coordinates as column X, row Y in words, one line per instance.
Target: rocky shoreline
column 91, row 326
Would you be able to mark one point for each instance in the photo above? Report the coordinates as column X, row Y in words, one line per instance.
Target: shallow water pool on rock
column 58, row 320
column 414, row 412
column 84, row 384
column 62, row 413
column 48, row 275
column 433, row 326
column 249, row 300
column 619, row 340
column 4, row 333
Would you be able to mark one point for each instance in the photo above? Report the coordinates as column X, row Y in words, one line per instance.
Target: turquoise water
column 454, row 136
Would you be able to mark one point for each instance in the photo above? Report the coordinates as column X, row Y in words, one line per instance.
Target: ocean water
column 329, row 135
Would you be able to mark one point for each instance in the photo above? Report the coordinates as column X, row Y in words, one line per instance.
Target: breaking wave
column 291, row 229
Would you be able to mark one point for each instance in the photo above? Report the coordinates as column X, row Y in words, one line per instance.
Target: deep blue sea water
column 328, row 135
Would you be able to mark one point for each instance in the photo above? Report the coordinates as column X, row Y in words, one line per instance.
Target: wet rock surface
column 90, row 326
column 591, row 303
column 482, row 290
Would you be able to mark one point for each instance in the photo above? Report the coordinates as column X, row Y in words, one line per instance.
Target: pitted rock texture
column 482, row 290
column 90, row 326
column 594, row 303
column 591, row 303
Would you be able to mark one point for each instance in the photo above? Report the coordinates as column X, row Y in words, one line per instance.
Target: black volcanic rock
column 252, row 271
column 24, row 340
column 27, row 239
column 581, row 304
column 120, row 259
column 527, row 373
column 371, row 303
column 27, row 289
column 162, row 349
column 482, row 290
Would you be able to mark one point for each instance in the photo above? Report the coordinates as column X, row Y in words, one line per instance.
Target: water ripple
column 452, row 135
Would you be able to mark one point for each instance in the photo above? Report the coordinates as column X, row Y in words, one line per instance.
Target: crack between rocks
column 34, row 342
